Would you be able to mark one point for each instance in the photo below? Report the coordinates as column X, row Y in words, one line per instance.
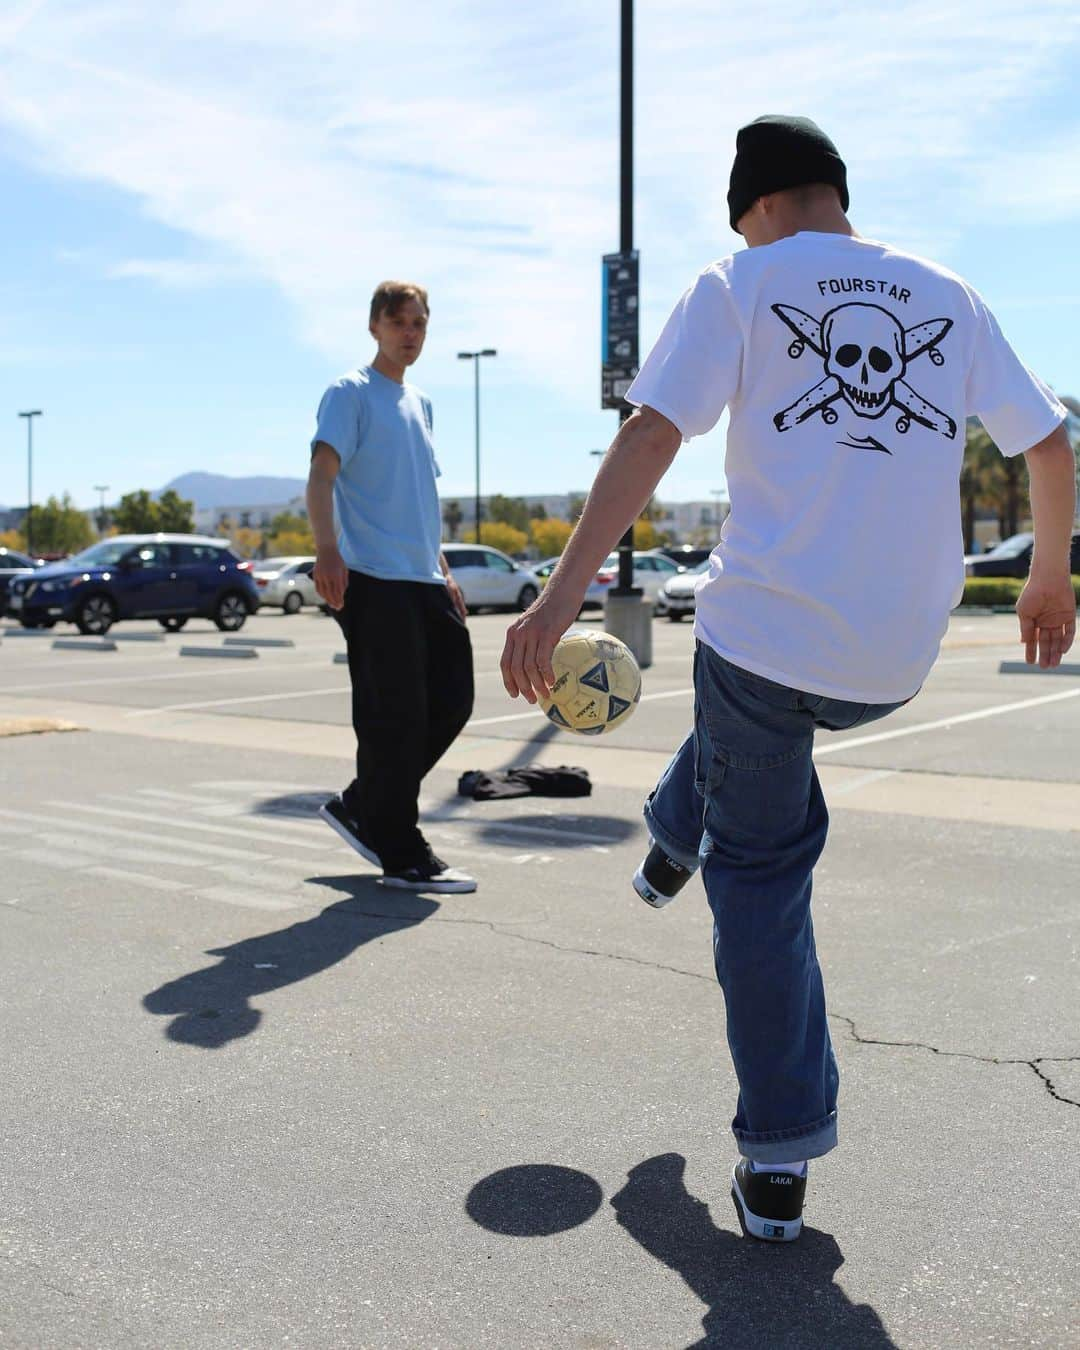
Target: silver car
column 489, row 579
column 678, row 596
column 286, row 582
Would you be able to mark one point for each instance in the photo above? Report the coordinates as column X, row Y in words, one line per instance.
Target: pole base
column 629, row 618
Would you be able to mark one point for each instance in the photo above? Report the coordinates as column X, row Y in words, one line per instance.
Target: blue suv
column 168, row 577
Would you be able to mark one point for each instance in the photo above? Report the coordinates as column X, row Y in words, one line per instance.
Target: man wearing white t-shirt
column 848, row 369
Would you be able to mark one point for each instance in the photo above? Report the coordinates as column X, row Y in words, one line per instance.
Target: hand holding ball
column 597, row 683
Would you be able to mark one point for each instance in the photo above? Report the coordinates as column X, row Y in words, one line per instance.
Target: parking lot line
column 535, row 712
column 255, row 833
column 232, row 702
column 186, row 674
column 854, row 742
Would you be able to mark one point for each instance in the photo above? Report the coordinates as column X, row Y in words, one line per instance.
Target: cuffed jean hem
column 676, row 850
column 777, row 1146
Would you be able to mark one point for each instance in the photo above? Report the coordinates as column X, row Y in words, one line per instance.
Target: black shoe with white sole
column 430, row 874
column 769, row 1204
column 337, row 816
column 659, row 879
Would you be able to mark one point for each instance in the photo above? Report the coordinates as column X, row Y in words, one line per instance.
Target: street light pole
column 36, row 412
column 474, row 357
column 102, row 488
column 625, row 584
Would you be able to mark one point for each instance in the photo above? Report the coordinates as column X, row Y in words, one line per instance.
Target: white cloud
column 324, row 146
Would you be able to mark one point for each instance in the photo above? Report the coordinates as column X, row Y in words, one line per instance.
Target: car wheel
column 230, row 612
column 293, row 603
column 95, row 615
column 673, row 617
column 526, row 596
column 172, row 623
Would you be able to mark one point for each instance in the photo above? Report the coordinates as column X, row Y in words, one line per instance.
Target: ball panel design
column 597, row 684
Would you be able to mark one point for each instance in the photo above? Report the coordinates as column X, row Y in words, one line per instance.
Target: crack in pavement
column 1032, row 1064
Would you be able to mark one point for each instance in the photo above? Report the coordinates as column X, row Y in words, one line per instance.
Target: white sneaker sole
column 648, row 894
column 368, row 854
column 768, row 1230
column 451, row 886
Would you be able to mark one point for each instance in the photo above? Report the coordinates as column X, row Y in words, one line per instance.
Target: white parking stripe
column 187, row 674
column 193, row 847
column 231, row 702
column 138, row 879
column 254, row 833
column 535, row 712
column 854, row 742
column 229, row 895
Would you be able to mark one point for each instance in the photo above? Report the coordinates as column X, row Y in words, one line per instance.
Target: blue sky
column 200, row 197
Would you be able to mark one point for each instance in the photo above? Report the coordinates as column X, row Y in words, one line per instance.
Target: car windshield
column 106, row 554
column 1012, row 547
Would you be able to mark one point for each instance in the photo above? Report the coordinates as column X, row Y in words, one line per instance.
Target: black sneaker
column 769, row 1204
column 430, row 874
column 336, row 815
column 659, row 879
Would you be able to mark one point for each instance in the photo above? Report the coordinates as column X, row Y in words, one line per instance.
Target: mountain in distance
column 209, row 491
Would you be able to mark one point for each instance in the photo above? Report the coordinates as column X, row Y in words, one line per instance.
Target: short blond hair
column 391, row 295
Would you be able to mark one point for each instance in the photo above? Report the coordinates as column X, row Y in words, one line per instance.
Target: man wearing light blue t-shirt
column 382, row 570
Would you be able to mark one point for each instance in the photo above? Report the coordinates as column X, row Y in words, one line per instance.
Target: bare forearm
column 1052, row 474
column 320, row 506
column 639, row 457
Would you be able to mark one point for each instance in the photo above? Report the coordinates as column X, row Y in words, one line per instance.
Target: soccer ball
column 597, row 683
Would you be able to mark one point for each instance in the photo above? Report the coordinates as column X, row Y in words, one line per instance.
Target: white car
column 286, row 582
column 489, row 579
column 677, row 598
column 651, row 572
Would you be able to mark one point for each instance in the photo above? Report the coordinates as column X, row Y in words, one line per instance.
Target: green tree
column 287, row 522
column 175, row 515
column 60, row 527
column 137, row 513
column 550, row 536
column 510, row 511
column 290, row 535
column 499, row 535
column 452, row 517
column 575, row 507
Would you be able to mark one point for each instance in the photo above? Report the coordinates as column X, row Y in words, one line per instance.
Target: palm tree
column 452, row 517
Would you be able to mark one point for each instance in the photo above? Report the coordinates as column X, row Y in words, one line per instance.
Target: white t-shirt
column 848, row 369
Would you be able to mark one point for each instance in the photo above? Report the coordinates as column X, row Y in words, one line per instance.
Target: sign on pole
column 619, row 341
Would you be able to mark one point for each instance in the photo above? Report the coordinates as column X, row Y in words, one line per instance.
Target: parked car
column 490, row 579
column 678, row 595
column 13, row 565
column 286, row 582
column 651, row 571
column 685, row 555
column 168, row 577
column 1012, row 558
column 597, row 590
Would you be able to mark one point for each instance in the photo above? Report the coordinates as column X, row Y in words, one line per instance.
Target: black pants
column 410, row 661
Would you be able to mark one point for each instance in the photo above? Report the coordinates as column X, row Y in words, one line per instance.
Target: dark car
column 168, row 577
column 12, row 565
column 1012, row 558
column 686, row 556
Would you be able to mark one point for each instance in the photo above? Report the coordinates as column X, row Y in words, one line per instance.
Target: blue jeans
column 741, row 798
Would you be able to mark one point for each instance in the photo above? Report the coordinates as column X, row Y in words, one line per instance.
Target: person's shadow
column 756, row 1293
column 212, row 1007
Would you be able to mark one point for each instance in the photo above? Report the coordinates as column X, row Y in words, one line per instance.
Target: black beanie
column 773, row 153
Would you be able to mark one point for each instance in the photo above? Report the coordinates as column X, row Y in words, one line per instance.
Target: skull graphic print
column 867, row 354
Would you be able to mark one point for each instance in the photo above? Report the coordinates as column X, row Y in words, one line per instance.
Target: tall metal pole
column 476, row 420
column 626, row 226
column 474, row 357
column 36, row 412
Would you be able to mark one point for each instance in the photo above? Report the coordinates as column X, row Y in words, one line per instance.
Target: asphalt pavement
column 252, row 1099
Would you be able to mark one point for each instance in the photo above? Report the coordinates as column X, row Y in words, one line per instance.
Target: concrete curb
column 229, row 653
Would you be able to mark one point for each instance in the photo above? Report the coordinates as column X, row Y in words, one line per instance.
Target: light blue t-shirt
column 387, row 504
